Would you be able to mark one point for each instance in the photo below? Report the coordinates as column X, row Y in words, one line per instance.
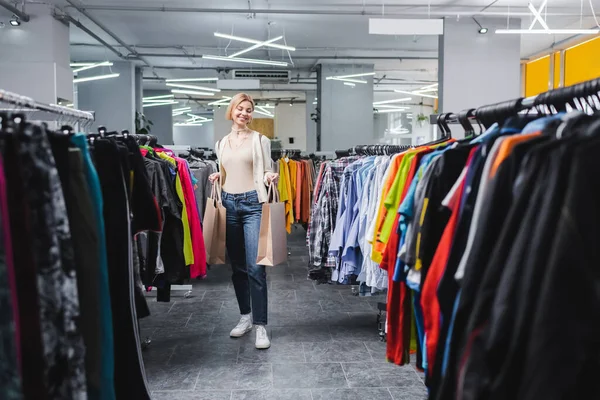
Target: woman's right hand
column 214, row 177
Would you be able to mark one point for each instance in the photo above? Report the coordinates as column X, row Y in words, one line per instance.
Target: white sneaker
column 262, row 338
column 243, row 327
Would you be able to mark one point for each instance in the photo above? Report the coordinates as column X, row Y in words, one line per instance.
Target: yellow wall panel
column 537, row 76
column 557, row 70
column 582, row 62
column 266, row 126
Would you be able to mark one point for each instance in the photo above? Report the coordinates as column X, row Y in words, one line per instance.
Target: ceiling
column 170, row 36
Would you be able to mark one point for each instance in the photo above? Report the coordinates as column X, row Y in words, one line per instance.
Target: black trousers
column 130, row 377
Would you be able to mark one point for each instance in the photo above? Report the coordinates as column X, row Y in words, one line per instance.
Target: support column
column 161, row 117
column 346, row 111
column 113, row 99
column 311, row 126
column 35, row 57
column 475, row 69
column 139, row 89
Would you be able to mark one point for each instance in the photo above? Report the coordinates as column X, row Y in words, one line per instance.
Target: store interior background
column 148, row 42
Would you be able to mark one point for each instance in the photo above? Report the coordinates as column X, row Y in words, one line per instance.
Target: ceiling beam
column 408, row 10
column 68, row 18
column 307, row 57
column 10, row 7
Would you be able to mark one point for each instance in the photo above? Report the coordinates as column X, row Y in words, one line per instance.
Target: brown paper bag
column 272, row 242
column 214, row 227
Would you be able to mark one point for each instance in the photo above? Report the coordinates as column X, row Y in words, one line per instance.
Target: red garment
column 399, row 305
column 429, row 299
column 198, row 268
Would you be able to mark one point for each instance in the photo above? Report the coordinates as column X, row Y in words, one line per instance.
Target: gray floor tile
column 379, row 375
column 167, row 377
column 303, row 286
column 205, row 353
column 285, row 277
column 337, row 352
column 341, row 305
column 273, row 394
column 169, row 337
column 351, row 394
column 280, row 352
column 308, row 375
column 192, row 395
column 278, row 295
column 325, row 318
column 235, row 376
column 343, row 333
column 377, row 350
column 298, row 334
column 411, row 392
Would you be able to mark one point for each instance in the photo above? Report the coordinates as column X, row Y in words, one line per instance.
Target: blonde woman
column 245, row 172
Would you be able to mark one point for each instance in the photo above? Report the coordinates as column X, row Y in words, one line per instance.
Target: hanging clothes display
column 73, row 210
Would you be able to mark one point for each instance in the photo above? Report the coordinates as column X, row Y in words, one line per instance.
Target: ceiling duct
column 271, row 75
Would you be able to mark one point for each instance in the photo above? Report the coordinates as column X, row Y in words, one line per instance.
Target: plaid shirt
column 324, row 211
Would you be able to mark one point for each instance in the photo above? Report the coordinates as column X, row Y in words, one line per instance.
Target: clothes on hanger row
column 492, row 254
column 295, row 187
column 71, row 293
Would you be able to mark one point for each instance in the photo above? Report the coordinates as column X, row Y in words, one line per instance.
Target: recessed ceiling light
column 15, row 21
column 95, row 78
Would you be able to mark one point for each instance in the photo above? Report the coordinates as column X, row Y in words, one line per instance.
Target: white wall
column 311, row 126
column 195, row 136
column 476, row 69
column 290, row 122
column 221, row 126
column 346, row 112
column 35, row 57
column 161, row 117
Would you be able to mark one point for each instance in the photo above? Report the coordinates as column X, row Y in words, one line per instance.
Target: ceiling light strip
column 182, row 109
column 256, row 46
column 254, row 41
column 354, row 75
column 95, row 78
column 246, row 60
column 166, row 103
column 195, row 87
column 192, row 92
column 549, row 31
column 187, row 124
column 345, row 79
column 376, row 103
column 416, row 94
column 192, row 80
column 166, row 96
column 100, row 64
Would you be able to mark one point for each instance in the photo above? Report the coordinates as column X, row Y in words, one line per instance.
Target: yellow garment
column 285, row 193
column 293, row 177
column 188, row 250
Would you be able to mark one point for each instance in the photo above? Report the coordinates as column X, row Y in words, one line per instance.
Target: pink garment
column 299, row 175
column 10, row 266
column 168, row 152
column 198, row 268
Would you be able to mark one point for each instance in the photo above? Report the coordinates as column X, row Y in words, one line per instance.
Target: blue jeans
column 243, row 228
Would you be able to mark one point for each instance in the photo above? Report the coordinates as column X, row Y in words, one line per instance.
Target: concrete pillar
column 475, row 69
column 35, row 57
column 311, row 126
column 113, row 99
column 222, row 126
column 161, row 117
column 139, row 89
column 346, row 111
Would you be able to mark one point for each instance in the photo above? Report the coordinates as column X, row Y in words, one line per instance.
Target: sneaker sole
column 263, row 347
column 239, row 336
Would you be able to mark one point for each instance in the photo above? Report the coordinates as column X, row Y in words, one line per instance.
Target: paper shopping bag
column 272, row 242
column 214, row 227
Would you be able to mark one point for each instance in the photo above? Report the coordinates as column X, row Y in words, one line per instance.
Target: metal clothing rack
column 37, row 111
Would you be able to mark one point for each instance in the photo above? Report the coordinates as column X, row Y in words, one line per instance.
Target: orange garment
column 507, row 147
column 293, row 176
column 298, row 198
column 429, row 299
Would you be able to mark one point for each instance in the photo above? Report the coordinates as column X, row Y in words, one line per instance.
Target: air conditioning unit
column 267, row 75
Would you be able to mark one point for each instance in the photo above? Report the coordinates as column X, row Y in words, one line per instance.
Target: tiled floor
column 324, row 344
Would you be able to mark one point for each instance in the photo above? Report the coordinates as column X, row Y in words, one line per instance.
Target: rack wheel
column 188, row 294
column 146, row 343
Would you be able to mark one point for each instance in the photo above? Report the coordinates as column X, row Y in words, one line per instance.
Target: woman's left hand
column 272, row 177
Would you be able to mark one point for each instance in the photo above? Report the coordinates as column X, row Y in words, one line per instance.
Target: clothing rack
column 379, row 149
column 280, row 153
column 43, row 112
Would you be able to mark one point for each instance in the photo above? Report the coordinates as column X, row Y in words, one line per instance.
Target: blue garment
column 449, row 336
column 420, row 327
column 244, row 213
column 107, row 389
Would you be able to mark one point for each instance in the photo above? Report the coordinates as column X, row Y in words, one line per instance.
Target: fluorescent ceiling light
column 314, row 102
column 166, row 96
column 95, row 78
column 194, row 116
column 176, row 114
column 392, row 101
column 350, row 84
column 224, row 100
column 549, row 31
column 192, row 92
column 74, row 65
column 256, row 46
column 354, row 75
column 193, row 87
column 416, row 94
column 155, row 101
column 335, row 78
column 391, row 107
column 187, row 124
column 86, row 67
column 70, row 105
column 182, row 109
column 166, row 103
column 246, row 60
column 262, row 111
column 424, row 88
column 192, row 80
column 254, row 41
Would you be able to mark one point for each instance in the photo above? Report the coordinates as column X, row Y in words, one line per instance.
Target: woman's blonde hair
column 236, row 101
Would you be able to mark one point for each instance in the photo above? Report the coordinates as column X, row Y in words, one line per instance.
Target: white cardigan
column 261, row 160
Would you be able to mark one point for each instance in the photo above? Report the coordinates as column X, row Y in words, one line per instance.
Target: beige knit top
column 238, row 166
